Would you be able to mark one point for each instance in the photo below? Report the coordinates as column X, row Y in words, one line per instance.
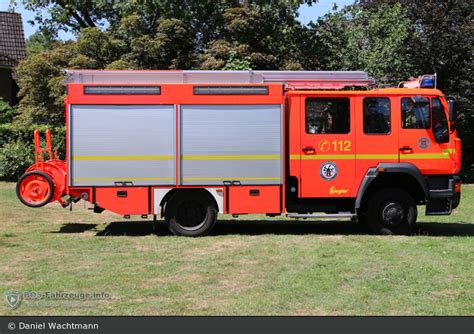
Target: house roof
column 12, row 39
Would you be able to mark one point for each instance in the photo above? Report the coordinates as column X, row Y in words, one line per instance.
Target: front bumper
column 457, row 194
column 444, row 194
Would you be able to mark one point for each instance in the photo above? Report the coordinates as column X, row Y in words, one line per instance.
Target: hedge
column 17, row 147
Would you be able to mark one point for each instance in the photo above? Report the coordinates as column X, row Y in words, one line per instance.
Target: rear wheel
column 391, row 211
column 191, row 214
column 35, row 189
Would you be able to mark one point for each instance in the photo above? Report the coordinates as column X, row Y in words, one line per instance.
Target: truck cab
column 376, row 153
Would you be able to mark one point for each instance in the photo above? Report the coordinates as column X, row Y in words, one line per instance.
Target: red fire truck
column 187, row 145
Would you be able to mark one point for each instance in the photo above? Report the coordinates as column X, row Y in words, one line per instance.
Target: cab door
column 327, row 146
column 417, row 143
column 376, row 134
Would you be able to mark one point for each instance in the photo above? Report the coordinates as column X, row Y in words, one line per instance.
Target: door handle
column 406, row 149
column 309, row 150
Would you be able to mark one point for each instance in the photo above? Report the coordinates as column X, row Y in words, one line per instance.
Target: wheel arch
column 402, row 175
column 164, row 195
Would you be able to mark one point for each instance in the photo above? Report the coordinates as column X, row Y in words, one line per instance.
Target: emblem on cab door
column 423, row 143
column 328, row 171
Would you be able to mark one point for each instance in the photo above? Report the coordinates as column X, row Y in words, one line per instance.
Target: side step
column 321, row 215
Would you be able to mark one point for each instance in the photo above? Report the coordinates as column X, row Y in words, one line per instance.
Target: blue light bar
column 428, row 81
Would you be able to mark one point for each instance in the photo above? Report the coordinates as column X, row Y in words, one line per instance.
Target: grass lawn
column 247, row 267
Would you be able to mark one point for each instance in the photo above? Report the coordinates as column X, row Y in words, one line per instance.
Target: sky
column 307, row 14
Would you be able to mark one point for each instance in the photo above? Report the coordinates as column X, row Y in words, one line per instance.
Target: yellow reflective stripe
column 376, row 156
column 231, row 178
column 425, row 156
column 322, row 157
column 233, row 157
column 449, row 150
column 444, row 155
column 122, row 157
column 170, row 157
column 79, row 179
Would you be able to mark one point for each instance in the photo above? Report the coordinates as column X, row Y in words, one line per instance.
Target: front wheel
column 191, row 214
column 391, row 211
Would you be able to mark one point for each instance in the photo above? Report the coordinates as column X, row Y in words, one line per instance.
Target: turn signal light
column 457, row 187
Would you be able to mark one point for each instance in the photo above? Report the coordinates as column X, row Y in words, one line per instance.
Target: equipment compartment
column 254, row 199
column 231, row 143
column 123, row 200
column 122, row 143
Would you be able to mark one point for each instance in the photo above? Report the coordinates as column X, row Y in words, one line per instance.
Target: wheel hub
column 191, row 215
column 34, row 189
column 393, row 214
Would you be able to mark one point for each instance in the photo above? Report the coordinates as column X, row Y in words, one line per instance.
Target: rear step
column 321, row 215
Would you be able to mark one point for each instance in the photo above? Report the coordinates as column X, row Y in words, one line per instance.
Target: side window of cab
column 326, row 115
column 376, row 115
column 415, row 112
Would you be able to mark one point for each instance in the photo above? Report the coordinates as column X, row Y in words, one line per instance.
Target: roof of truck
column 295, row 82
column 293, row 79
column 378, row 91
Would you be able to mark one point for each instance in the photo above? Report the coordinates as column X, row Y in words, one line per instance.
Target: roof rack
column 291, row 79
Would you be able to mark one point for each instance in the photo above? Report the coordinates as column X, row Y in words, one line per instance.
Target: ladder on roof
column 291, row 79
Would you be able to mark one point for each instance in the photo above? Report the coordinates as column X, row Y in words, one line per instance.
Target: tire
column 35, row 189
column 391, row 211
column 191, row 214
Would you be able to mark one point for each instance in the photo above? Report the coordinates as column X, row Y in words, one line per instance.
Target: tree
column 263, row 34
column 442, row 43
column 37, row 43
column 373, row 40
column 205, row 17
column 41, row 81
column 68, row 15
column 7, row 112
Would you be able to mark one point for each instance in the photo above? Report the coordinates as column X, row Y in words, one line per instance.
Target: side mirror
column 452, row 110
